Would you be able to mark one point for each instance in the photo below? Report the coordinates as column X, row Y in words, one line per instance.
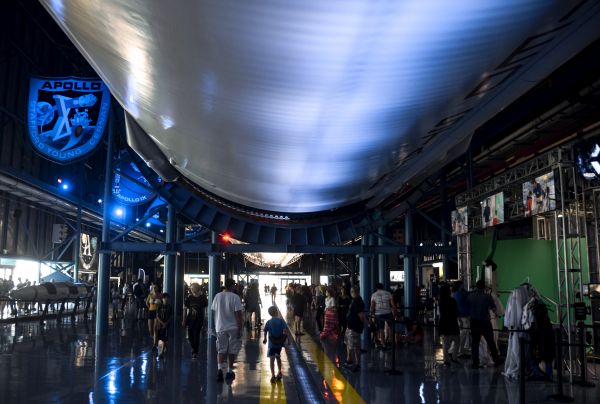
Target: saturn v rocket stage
column 54, row 292
column 51, row 292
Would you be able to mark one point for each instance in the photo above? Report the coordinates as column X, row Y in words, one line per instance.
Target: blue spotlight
column 99, row 200
column 148, row 224
column 119, row 212
column 62, row 184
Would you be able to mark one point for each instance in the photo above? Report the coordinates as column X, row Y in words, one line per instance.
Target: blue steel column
column 77, row 242
column 213, row 280
column 213, row 289
column 365, row 286
column 179, row 273
column 444, row 223
column 169, row 273
column 373, row 265
column 384, row 273
column 104, row 259
column 409, row 267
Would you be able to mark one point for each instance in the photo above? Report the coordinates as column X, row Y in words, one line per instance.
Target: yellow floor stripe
column 271, row 392
column 342, row 390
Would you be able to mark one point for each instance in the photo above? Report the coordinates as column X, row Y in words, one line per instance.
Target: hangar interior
column 271, row 147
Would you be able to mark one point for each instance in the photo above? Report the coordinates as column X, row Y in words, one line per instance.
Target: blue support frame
column 104, row 260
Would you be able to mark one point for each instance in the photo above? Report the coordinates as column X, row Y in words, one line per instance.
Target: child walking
column 276, row 330
column 164, row 314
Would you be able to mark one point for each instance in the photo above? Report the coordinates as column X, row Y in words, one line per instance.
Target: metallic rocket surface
column 55, row 291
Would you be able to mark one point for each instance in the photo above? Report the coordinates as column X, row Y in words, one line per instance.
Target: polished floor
column 64, row 362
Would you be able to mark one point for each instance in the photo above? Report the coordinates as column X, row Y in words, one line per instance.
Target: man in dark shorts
column 276, row 330
column 140, row 295
column 299, row 305
column 356, row 324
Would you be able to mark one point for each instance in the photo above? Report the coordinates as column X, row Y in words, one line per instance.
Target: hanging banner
column 67, row 116
column 129, row 186
column 88, row 252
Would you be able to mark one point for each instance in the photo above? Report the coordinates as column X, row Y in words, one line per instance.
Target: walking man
column 229, row 319
column 461, row 297
column 480, row 304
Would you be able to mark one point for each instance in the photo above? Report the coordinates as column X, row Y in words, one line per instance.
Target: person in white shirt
column 383, row 309
column 228, row 315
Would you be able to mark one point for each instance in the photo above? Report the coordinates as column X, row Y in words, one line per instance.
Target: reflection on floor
column 424, row 379
column 64, row 362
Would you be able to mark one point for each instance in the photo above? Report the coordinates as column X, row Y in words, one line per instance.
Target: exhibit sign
column 67, row 116
column 129, row 186
column 88, row 252
column 460, row 221
column 492, row 210
column 539, row 195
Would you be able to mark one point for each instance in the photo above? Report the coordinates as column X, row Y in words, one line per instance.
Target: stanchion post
column 393, row 370
column 560, row 396
column 582, row 358
column 521, row 369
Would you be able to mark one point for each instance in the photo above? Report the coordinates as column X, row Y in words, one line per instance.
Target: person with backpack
column 276, row 330
column 448, row 325
column 253, row 305
column 355, row 327
column 193, row 316
column 480, row 304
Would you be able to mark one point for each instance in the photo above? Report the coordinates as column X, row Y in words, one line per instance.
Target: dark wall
column 32, row 44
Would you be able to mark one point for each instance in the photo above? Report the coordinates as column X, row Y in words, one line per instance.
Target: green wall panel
column 521, row 259
column 518, row 260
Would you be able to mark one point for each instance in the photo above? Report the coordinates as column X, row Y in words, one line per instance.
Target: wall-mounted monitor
column 460, row 221
column 492, row 210
column 539, row 195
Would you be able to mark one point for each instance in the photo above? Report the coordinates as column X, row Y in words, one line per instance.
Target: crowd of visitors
column 336, row 313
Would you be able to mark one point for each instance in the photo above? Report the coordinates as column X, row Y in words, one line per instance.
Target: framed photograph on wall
column 492, row 210
column 460, row 220
column 539, row 195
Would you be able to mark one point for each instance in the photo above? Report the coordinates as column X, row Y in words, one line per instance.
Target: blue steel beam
column 283, row 248
column 244, row 248
column 147, row 216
